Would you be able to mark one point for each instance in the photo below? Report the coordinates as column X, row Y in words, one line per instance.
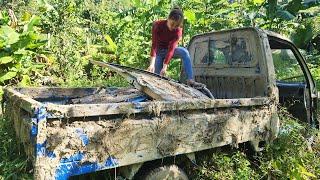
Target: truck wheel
column 172, row 172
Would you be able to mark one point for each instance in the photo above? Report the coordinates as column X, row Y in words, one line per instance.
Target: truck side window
column 286, row 66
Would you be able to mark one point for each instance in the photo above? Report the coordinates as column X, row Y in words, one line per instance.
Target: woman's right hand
column 151, row 66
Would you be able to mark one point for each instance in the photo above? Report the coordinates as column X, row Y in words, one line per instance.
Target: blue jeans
column 179, row 52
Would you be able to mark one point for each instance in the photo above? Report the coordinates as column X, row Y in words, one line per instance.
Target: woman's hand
column 151, row 66
column 164, row 70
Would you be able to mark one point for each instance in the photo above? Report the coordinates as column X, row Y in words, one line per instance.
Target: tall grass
column 13, row 161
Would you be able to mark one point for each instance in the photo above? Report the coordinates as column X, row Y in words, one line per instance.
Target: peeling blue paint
column 73, row 166
column 84, row 138
column 51, row 154
column 111, row 162
column 138, row 99
column 137, row 106
column 41, row 149
column 76, row 157
column 33, row 131
column 64, row 171
column 41, row 113
column 34, row 128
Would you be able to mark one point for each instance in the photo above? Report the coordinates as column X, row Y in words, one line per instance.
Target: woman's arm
column 154, row 40
column 153, row 47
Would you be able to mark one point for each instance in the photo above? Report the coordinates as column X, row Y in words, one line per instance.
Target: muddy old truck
column 72, row 131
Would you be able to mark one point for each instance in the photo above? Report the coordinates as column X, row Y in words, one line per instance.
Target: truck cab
column 250, row 62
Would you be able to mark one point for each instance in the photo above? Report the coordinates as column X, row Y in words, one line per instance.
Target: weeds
column 222, row 165
column 294, row 154
column 13, row 161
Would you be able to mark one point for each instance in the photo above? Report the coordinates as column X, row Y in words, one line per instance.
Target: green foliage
column 120, row 32
column 286, row 66
column 13, row 162
column 18, row 49
column 295, row 19
column 303, row 35
column 294, row 154
column 234, row 165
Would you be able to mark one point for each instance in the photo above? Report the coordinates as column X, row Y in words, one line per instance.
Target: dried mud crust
column 172, row 172
column 136, row 138
column 154, row 86
column 168, row 90
column 108, row 96
column 21, row 124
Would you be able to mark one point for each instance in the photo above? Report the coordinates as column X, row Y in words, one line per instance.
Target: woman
column 165, row 37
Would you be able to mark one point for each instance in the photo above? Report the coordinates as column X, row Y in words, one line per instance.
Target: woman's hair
column 176, row 14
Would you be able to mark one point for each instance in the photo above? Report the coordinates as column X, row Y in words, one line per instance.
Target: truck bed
column 73, row 131
column 70, row 139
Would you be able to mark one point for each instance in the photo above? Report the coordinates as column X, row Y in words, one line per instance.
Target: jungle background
column 50, row 43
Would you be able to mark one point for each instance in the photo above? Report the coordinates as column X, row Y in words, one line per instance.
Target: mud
column 108, row 96
column 169, row 90
column 141, row 137
column 136, row 139
column 156, row 87
column 22, row 123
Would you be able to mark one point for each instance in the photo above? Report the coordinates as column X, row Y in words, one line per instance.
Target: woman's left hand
column 164, row 70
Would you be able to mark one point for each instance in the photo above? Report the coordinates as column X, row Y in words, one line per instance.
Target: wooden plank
column 83, row 110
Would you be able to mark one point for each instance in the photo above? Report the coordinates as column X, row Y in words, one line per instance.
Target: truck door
column 297, row 90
